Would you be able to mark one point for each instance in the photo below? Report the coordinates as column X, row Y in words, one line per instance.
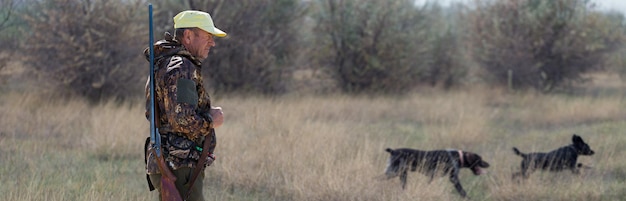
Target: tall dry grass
column 317, row 148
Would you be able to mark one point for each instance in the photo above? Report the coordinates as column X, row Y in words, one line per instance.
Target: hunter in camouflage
column 182, row 124
column 183, row 106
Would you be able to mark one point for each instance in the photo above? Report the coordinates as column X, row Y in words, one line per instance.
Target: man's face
column 199, row 42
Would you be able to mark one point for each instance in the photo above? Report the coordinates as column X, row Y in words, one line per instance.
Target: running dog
column 431, row 163
column 560, row 159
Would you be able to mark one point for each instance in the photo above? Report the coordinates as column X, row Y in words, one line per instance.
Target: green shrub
column 541, row 44
column 88, row 48
column 372, row 45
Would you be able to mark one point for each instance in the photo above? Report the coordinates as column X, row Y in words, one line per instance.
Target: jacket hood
column 168, row 47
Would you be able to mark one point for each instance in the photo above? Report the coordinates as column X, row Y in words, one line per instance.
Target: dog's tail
column 389, row 150
column 519, row 153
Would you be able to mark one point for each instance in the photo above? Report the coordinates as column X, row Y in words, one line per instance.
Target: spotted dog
column 557, row 160
column 431, row 163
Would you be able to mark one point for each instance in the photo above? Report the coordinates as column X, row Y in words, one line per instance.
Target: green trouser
column 182, row 176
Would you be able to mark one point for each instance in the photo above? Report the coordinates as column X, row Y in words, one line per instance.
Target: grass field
column 319, row 148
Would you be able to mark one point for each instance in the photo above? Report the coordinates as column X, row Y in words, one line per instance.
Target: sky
column 615, row 5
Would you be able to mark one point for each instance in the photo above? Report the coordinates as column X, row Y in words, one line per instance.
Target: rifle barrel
column 154, row 133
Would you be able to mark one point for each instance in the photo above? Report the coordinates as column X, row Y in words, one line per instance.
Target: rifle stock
column 168, row 189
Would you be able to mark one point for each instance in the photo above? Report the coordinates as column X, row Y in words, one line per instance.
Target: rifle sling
column 201, row 162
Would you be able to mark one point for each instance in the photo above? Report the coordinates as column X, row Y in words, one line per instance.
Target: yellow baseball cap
column 199, row 19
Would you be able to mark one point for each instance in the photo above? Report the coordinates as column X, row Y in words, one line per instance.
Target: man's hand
column 209, row 160
column 218, row 116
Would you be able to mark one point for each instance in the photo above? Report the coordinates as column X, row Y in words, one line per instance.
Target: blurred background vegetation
column 92, row 49
column 361, row 75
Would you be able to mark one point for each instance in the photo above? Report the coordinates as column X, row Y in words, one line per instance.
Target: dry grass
column 317, row 148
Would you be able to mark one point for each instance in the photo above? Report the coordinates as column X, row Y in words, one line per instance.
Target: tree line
column 93, row 48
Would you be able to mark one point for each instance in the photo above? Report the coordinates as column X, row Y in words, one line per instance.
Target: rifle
column 168, row 187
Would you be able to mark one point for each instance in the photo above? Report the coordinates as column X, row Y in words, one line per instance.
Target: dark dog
column 431, row 163
column 557, row 160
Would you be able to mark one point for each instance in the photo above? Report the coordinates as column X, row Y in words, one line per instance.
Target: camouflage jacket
column 183, row 120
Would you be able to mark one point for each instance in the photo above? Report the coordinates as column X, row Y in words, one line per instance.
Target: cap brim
column 214, row 31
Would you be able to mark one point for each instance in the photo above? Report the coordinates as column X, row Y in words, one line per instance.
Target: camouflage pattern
column 183, row 125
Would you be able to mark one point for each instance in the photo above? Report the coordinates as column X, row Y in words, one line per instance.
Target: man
column 183, row 106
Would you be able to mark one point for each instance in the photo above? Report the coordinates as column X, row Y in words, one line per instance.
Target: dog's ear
column 389, row 150
column 473, row 158
column 483, row 164
column 577, row 139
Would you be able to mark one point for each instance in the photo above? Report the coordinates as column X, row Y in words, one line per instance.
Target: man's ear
column 187, row 34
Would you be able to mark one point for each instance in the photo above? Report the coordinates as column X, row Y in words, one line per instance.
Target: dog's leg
column 527, row 168
column 403, row 176
column 576, row 171
column 431, row 175
column 575, row 167
column 454, row 178
column 515, row 175
column 414, row 165
column 524, row 174
column 580, row 167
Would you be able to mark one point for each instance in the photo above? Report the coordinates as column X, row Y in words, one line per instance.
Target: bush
column 540, row 44
column 448, row 67
column 372, row 45
column 9, row 23
column 88, row 48
column 9, row 34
